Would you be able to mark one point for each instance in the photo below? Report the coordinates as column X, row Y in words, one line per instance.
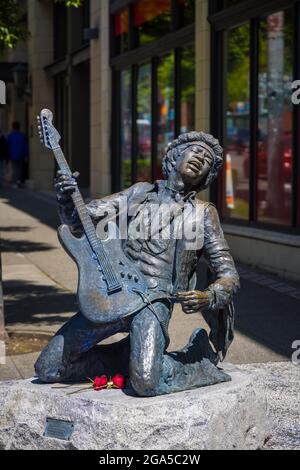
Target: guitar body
column 95, row 303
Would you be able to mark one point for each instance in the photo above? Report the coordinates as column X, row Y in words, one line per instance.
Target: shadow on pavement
column 15, row 229
column 22, row 246
column 41, row 208
column 268, row 317
column 31, row 303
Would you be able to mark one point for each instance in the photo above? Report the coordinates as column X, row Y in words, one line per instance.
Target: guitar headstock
column 49, row 136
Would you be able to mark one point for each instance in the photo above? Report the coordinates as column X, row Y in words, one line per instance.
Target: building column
column 202, row 66
column 100, row 101
column 40, row 25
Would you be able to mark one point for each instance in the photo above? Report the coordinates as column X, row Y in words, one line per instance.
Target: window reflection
column 144, row 123
column 152, row 20
column 187, row 89
column 125, row 129
column 121, row 31
column 275, row 118
column 236, row 174
column 166, row 109
column 186, row 12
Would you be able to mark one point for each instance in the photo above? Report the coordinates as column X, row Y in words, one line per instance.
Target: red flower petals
column 100, row 382
column 117, row 381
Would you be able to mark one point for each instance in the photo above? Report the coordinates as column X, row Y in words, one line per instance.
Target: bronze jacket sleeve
column 220, row 262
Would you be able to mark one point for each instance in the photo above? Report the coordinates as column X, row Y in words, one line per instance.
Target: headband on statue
column 199, row 144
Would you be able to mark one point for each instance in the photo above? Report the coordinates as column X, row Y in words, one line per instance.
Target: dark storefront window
column 125, row 128
column 144, row 119
column 166, row 111
column 275, row 125
column 186, row 11
column 155, row 89
column 237, row 138
column 60, row 26
column 152, row 20
column 187, row 108
column 223, row 4
column 231, row 3
column 86, row 10
column 121, row 31
column 259, row 60
column 69, row 25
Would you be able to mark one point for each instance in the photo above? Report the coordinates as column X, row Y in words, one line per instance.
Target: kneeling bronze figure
column 130, row 283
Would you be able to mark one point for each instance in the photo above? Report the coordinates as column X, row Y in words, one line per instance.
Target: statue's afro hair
column 180, row 144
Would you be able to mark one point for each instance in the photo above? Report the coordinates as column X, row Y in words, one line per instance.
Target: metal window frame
column 251, row 11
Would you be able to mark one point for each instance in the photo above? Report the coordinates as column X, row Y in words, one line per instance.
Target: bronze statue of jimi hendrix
column 132, row 282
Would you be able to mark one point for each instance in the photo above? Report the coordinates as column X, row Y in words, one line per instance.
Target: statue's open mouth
column 195, row 165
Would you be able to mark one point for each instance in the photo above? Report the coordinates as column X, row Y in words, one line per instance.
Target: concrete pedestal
column 230, row 415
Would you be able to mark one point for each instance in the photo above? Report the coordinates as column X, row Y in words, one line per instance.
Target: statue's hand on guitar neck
column 65, row 185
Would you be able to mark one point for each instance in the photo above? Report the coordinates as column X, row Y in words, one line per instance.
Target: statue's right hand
column 64, row 184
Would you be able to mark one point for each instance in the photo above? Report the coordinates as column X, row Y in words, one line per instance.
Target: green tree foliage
column 238, row 64
column 12, row 25
column 71, row 3
column 188, row 74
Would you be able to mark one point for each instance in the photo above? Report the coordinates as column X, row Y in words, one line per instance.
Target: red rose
column 100, row 382
column 119, row 381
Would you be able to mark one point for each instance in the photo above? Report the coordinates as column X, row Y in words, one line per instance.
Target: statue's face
column 194, row 165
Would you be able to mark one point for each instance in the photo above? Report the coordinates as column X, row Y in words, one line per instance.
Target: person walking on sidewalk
column 18, row 152
column 3, row 157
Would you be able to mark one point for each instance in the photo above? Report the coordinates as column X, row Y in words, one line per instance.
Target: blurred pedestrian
column 3, row 157
column 18, row 153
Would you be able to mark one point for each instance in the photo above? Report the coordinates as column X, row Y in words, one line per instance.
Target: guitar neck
column 88, row 226
column 79, row 204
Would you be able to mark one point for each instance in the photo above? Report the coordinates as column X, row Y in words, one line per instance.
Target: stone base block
column 230, row 415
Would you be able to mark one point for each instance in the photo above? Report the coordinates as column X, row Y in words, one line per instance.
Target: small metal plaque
column 59, row 429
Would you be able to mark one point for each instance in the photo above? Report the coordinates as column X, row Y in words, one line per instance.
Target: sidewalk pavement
column 40, row 284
